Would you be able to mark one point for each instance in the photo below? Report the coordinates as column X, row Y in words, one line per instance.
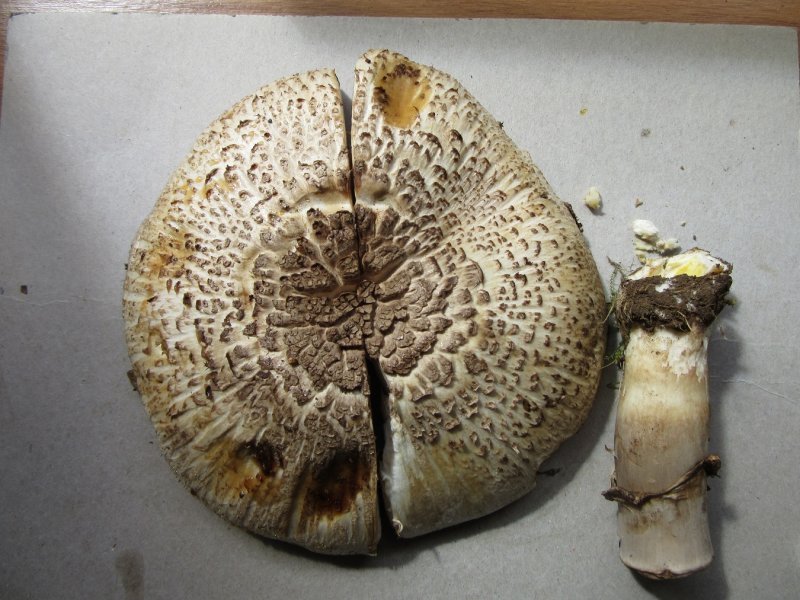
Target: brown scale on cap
column 257, row 292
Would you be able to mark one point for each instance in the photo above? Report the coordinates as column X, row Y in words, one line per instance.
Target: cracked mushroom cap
column 242, row 306
column 488, row 327
column 271, row 317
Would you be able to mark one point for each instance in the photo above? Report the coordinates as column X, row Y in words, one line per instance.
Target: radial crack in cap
column 276, row 307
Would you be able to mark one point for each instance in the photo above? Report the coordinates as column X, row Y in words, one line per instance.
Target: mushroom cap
column 490, row 309
column 241, row 304
column 272, row 317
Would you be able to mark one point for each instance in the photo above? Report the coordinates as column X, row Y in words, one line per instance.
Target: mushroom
column 489, row 307
column 272, row 317
column 661, row 439
column 244, row 306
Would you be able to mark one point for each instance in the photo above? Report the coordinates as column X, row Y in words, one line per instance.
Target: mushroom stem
column 662, row 428
column 661, row 435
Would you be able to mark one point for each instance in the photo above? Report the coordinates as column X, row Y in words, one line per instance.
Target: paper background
column 99, row 109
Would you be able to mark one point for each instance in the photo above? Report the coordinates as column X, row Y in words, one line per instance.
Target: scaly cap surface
column 241, row 302
column 490, row 309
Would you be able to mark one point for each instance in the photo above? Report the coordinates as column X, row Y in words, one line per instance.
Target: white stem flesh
column 661, row 434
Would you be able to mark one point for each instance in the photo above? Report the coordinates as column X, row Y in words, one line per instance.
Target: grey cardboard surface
column 701, row 123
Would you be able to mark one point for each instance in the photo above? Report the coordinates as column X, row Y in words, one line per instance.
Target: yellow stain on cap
column 402, row 93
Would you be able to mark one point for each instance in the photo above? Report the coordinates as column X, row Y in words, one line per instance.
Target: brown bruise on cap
column 489, row 327
column 257, row 291
column 333, row 488
column 247, row 469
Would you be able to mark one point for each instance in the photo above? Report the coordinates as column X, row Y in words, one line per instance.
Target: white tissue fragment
column 592, row 199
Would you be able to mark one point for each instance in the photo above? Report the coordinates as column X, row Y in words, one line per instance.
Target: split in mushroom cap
column 258, row 293
column 243, row 311
column 491, row 333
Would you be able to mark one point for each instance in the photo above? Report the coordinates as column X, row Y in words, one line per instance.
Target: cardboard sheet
column 698, row 122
